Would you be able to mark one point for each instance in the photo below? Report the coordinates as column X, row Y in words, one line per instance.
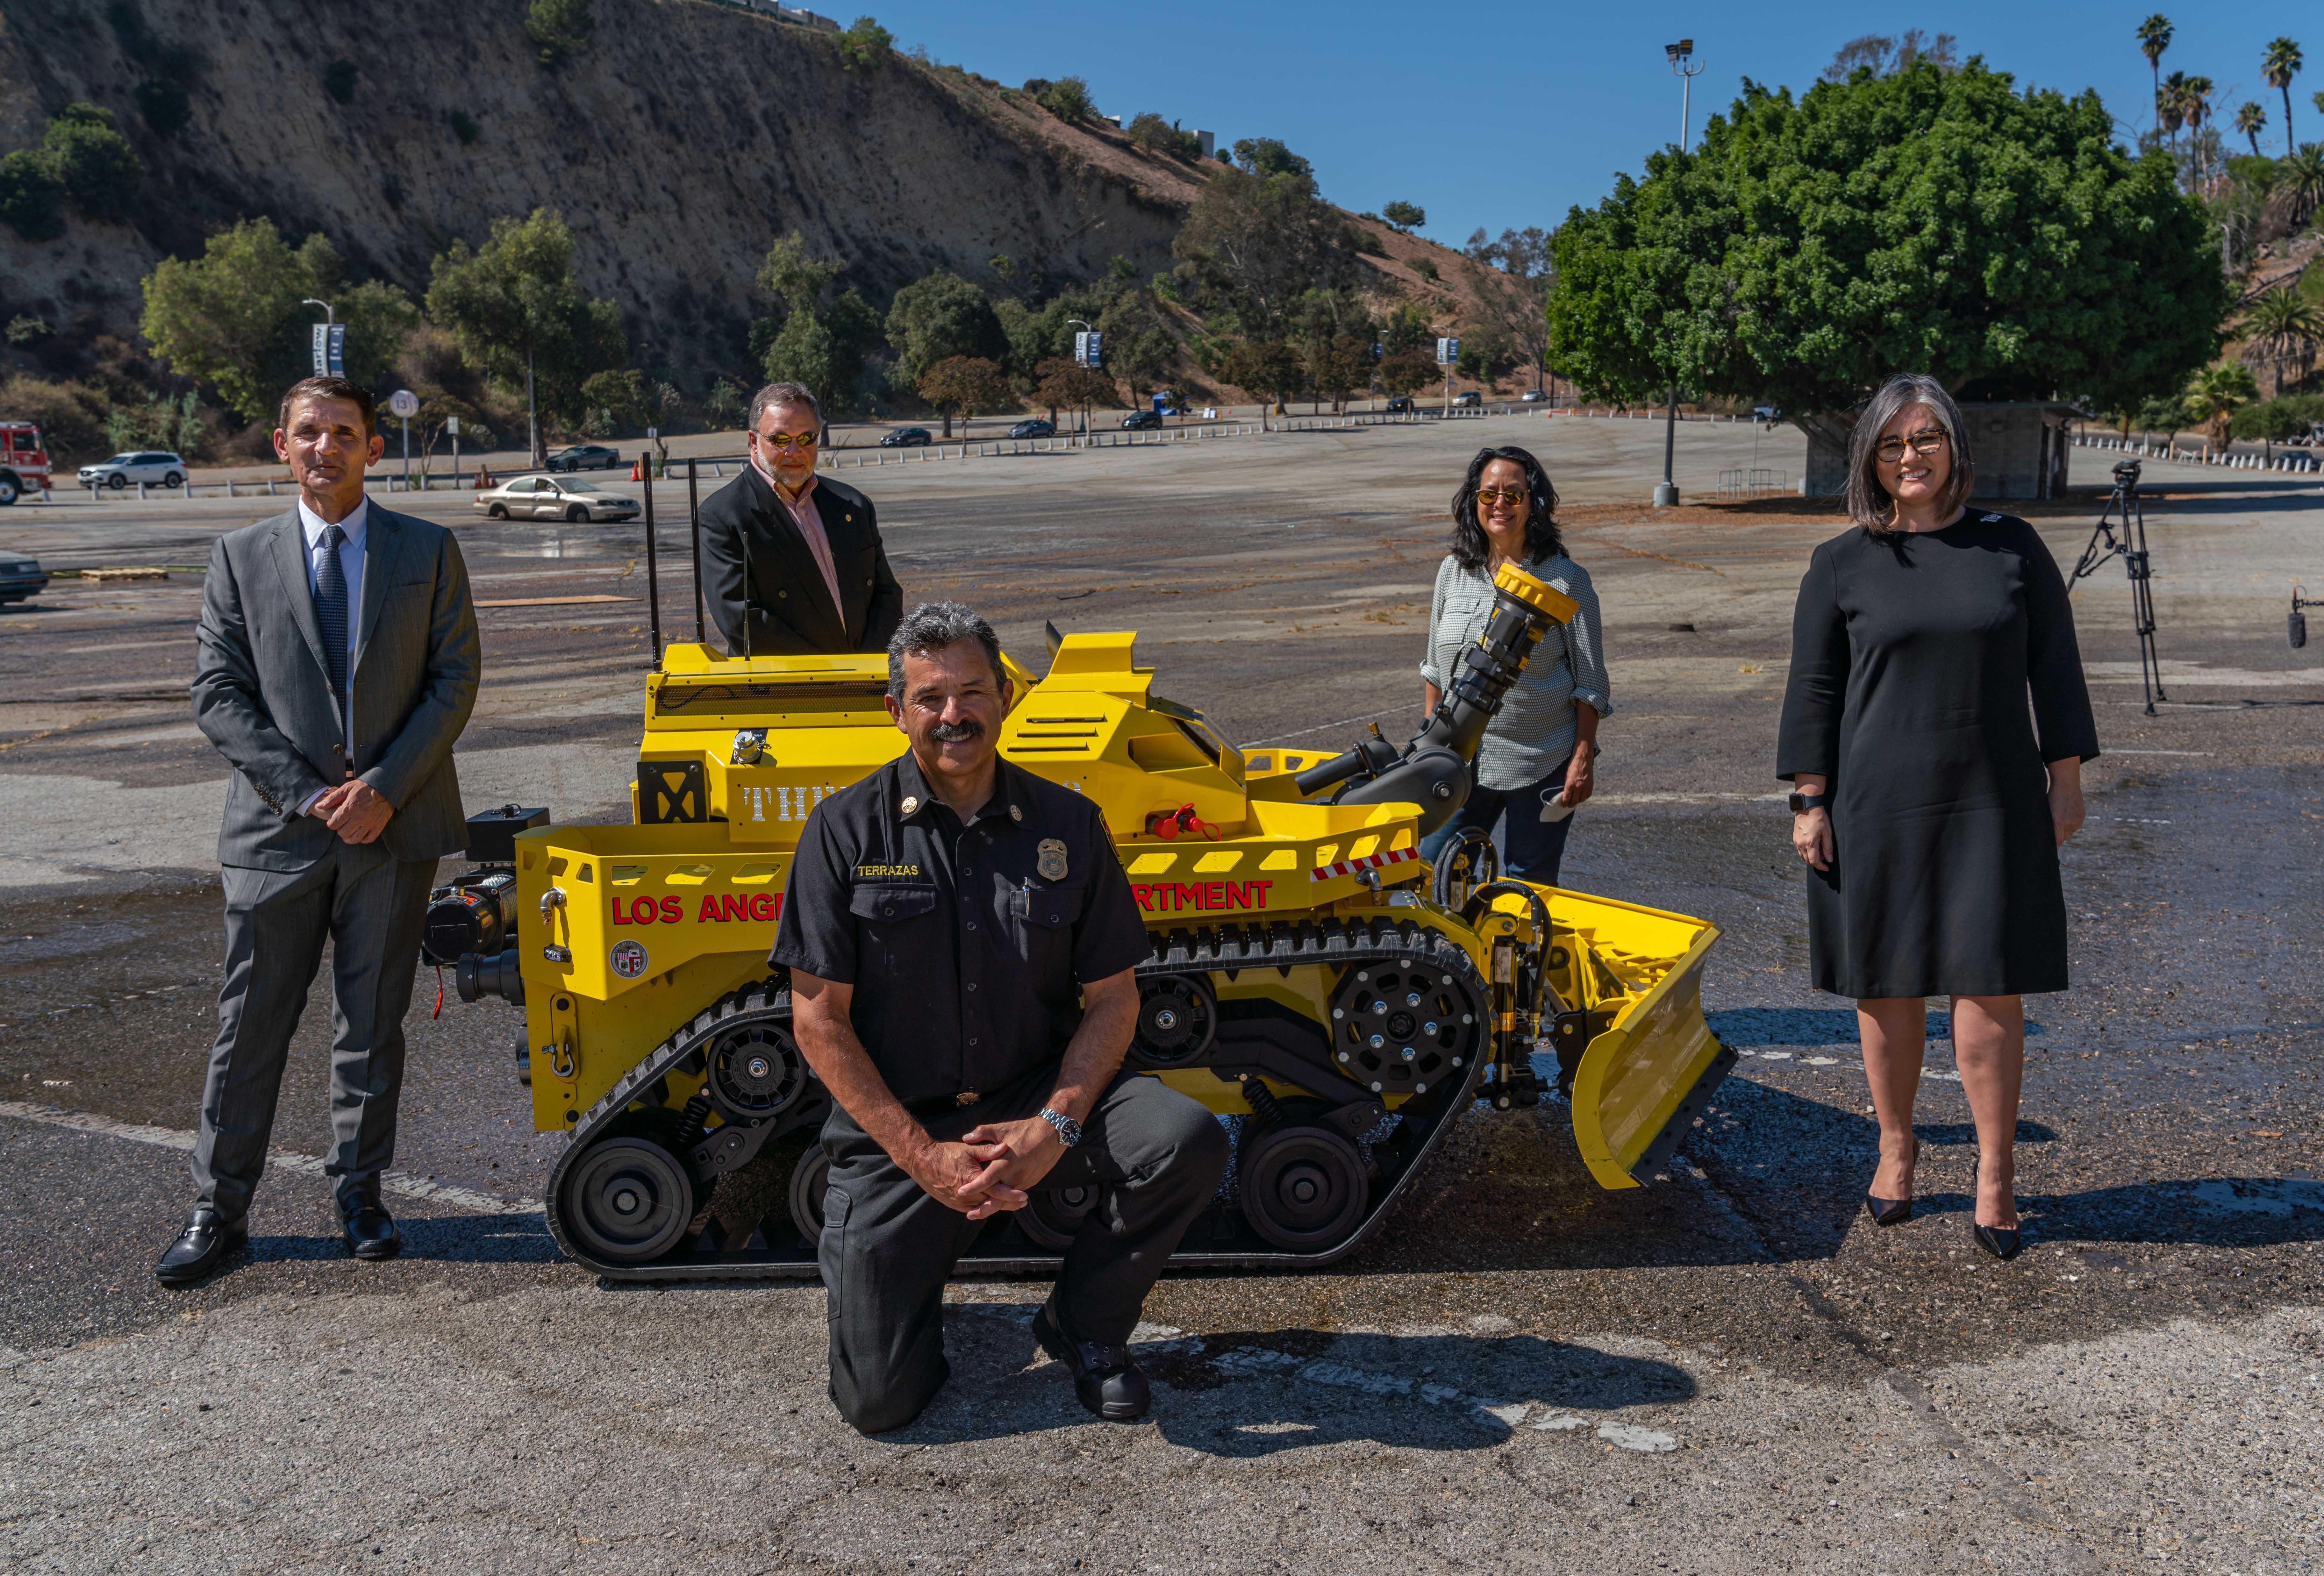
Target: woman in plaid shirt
column 1534, row 762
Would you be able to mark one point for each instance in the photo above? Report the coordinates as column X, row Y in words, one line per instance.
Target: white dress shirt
column 351, row 569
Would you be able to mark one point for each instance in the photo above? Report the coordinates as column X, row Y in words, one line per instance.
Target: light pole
column 1681, row 55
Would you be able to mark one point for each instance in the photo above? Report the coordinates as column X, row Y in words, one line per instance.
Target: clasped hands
column 989, row 1168
column 357, row 812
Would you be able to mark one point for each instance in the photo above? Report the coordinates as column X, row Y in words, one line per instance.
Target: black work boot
column 207, row 1239
column 1105, row 1378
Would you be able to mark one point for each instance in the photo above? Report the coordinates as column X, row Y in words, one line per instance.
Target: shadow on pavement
column 1246, row 1393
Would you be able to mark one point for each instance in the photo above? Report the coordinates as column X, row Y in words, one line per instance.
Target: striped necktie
column 331, row 610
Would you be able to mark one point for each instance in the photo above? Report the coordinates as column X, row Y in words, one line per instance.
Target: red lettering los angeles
column 1181, row 897
column 759, row 905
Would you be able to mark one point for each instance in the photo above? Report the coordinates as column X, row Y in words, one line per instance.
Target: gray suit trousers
column 888, row 1247
column 371, row 906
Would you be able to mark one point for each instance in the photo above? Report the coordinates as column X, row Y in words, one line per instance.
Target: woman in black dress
column 1931, row 801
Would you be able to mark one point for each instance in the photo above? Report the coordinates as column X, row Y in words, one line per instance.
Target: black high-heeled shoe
column 2002, row 1241
column 1892, row 1212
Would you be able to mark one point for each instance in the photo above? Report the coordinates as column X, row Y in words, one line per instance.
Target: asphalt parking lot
column 1731, row 1372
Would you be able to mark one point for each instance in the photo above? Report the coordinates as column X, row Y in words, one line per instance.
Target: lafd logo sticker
column 629, row 959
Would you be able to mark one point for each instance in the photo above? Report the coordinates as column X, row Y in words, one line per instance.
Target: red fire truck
column 23, row 462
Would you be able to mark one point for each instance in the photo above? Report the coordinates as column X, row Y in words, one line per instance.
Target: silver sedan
column 551, row 498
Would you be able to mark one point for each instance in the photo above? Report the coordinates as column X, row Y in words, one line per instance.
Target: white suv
column 151, row 465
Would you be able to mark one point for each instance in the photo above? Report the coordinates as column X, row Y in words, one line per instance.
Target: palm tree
column 2170, row 106
column 2282, row 325
column 2279, row 65
column 2301, row 176
column 2216, row 395
column 2153, row 38
column 2195, row 105
column 2251, row 120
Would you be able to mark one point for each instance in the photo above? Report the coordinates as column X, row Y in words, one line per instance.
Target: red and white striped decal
column 1348, row 867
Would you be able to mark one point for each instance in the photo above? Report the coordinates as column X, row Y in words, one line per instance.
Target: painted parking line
column 402, row 1184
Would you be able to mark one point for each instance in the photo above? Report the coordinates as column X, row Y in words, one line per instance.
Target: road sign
column 452, row 425
column 1448, row 351
column 403, row 403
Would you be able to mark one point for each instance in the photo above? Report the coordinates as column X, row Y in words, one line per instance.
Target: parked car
column 122, row 469
column 21, row 578
column 1532, row 397
column 585, row 456
column 1401, row 404
column 1036, row 428
column 539, row 498
column 906, row 437
column 1468, row 400
column 1140, row 421
column 1765, row 412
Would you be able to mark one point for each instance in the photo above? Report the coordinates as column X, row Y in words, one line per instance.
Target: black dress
column 1912, row 658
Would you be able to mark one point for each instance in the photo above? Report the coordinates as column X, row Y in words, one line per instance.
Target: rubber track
column 1182, row 950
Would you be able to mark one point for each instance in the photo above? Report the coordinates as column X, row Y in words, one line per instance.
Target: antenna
column 694, row 512
column 653, row 573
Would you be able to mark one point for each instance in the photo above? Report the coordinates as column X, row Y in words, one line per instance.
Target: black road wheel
column 810, row 1180
column 1055, row 1215
column 627, row 1200
column 757, row 1072
column 1177, row 1020
column 116, row 481
column 1303, row 1188
column 577, row 515
column 9, row 489
column 172, row 480
column 497, row 512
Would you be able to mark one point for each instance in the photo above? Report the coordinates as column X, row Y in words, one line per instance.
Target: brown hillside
column 685, row 138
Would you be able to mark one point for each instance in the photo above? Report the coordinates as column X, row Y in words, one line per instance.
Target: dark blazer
column 791, row 607
column 262, row 693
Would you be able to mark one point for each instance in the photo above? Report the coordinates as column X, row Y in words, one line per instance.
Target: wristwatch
column 1069, row 1132
column 1802, row 803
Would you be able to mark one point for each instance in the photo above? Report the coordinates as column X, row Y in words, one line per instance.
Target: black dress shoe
column 1107, row 1383
column 207, row 1240
column 2003, row 1243
column 371, row 1233
column 1892, row 1212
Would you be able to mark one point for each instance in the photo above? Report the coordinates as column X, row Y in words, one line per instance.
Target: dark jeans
column 888, row 1247
column 1531, row 848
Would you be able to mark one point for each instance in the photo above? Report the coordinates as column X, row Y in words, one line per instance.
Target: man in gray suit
column 338, row 664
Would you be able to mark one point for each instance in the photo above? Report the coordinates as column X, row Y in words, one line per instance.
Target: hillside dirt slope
column 677, row 145
column 682, row 141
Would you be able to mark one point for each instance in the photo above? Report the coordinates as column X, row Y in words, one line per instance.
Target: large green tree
column 518, row 314
column 822, row 331
column 235, row 318
column 1256, row 243
column 1925, row 221
column 936, row 318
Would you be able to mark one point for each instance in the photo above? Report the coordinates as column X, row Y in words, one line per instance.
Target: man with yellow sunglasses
column 791, row 562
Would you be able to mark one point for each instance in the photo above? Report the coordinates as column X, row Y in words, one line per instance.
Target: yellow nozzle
column 1536, row 592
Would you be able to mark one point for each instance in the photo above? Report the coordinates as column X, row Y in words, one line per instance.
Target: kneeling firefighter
column 961, row 940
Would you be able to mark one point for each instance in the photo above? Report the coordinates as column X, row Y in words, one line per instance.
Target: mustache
column 955, row 732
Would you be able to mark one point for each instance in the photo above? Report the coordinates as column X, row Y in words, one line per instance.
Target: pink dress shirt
column 809, row 520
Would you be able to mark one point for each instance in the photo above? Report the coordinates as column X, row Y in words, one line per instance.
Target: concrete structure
column 2020, row 449
column 1208, row 141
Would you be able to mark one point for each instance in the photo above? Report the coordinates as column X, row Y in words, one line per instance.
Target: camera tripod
column 2127, row 541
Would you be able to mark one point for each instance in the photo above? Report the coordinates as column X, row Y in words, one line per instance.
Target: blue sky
column 1495, row 114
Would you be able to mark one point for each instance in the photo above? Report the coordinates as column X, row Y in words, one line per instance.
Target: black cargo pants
column 888, row 1247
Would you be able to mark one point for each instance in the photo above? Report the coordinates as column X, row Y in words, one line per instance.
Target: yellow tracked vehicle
column 1311, row 976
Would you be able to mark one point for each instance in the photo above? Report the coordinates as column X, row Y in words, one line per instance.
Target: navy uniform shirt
column 967, row 944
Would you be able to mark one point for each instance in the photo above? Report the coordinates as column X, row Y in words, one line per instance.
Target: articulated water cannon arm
column 1433, row 770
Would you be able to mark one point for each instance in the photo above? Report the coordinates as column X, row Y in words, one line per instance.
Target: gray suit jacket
column 262, row 695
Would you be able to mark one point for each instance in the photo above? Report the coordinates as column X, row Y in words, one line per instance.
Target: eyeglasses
column 1512, row 496
column 781, row 441
column 1931, row 440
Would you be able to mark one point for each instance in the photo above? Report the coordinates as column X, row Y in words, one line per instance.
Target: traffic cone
column 634, row 475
